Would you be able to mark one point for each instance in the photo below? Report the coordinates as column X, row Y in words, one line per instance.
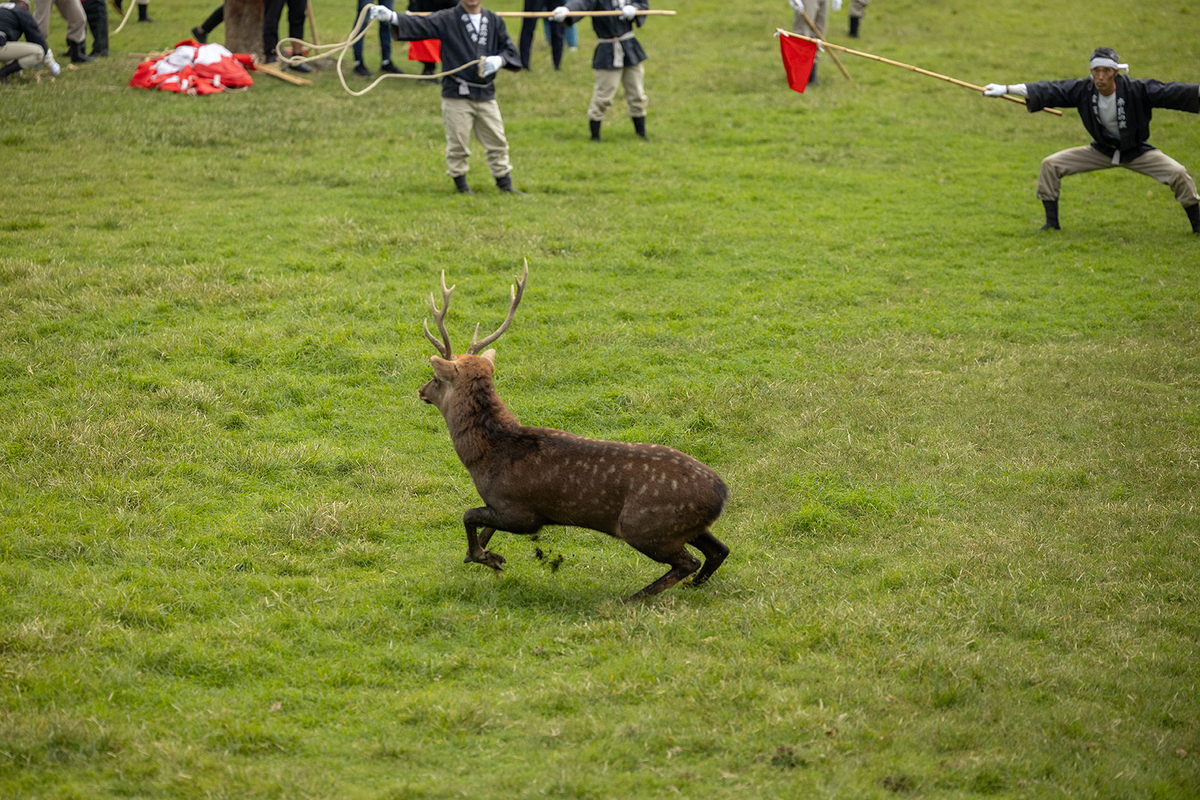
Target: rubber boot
column 640, row 126
column 460, row 183
column 76, row 52
column 504, row 184
column 1193, row 213
column 594, row 124
column 144, row 13
column 1051, row 215
column 11, row 68
column 854, row 27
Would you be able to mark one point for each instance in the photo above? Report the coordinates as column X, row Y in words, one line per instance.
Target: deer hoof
column 487, row 558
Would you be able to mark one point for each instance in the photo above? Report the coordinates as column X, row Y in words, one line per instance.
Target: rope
column 125, row 18
column 361, row 26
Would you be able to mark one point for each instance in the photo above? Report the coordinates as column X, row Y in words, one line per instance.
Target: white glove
column 559, row 14
column 796, row 5
column 995, row 90
column 491, row 64
column 383, row 14
column 837, row 5
column 629, row 12
column 50, row 63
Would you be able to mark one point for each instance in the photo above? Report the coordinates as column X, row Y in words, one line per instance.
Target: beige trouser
column 461, row 117
column 607, row 80
column 72, row 12
column 818, row 12
column 29, row 55
column 1155, row 163
column 858, row 8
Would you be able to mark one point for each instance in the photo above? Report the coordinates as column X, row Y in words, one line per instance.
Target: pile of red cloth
column 194, row 68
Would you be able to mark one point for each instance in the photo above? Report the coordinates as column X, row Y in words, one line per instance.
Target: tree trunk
column 244, row 26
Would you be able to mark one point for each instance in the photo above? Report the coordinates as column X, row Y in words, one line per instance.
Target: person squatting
column 1115, row 110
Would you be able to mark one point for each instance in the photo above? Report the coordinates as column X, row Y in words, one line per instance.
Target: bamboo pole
column 955, row 81
column 655, row 12
column 312, row 23
column 812, row 26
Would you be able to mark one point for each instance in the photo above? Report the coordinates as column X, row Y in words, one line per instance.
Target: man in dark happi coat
column 468, row 32
column 617, row 60
column 1116, row 111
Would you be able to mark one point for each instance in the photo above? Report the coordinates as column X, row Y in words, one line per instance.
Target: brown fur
column 654, row 498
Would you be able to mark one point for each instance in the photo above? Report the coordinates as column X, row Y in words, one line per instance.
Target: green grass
column 964, row 456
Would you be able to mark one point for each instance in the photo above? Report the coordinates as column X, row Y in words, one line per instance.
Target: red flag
column 798, row 57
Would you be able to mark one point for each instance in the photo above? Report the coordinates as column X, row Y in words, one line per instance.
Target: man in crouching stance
column 617, row 60
column 1116, row 111
column 467, row 32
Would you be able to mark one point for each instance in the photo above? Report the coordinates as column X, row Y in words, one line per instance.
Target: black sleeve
column 1056, row 94
column 29, row 27
column 505, row 47
column 1177, row 96
column 414, row 29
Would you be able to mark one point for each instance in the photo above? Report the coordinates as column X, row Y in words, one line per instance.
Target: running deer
column 653, row 498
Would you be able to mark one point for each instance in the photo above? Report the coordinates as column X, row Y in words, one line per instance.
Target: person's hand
column 382, row 14
column 629, row 12
column 491, row 64
column 49, row 61
column 836, row 5
column 559, row 14
column 995, row 90
column 796, row 5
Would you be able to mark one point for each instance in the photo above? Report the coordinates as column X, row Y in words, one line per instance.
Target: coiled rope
column 339, row 49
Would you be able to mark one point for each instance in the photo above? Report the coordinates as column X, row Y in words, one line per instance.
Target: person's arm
column 1056, row 94
column 406, row 28
column 33, row 34
column 1177, row 96
column 1001, row 89
column 505, row 48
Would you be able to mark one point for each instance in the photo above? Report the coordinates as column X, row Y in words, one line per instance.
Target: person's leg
column 357, row 47
column 858, row 9
column 633, row 79
column 17, row 56
column 603, row 93
column 556, row 43
column 272, row 11
column 200, row 32
column 528, row 28
column 1071, row 161
column 72, row 12
column 458, row 119
column 41, row 15
column 97, row 20
column 385, row 42
column 144, row 11
column 489, row 130
column 1166, row 170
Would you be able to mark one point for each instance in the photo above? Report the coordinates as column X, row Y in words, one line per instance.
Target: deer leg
column 682, row 564
column 485, row 536
column 714, row 551
column 491, row 520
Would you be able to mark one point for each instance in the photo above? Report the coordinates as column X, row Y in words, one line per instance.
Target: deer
column 656, row 499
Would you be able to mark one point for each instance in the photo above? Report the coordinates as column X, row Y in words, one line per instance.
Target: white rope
column 125, row 19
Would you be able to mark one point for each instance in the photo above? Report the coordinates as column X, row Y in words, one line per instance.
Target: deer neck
column 477, row 418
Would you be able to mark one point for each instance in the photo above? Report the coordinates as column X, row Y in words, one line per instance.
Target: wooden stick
column 547, row 14
column 275, row 72
column 312, row 23
column 955, row 81
column 813, row 27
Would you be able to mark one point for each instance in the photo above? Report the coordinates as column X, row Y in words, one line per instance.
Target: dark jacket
column 462, row 45
column 431, row 5
column 612, row 28
column 1136, row 100
column 16, row 22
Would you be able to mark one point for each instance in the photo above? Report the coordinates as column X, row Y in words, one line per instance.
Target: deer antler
column 516, row 293
column 443, row 347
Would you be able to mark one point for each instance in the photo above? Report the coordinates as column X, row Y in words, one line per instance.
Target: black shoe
column 76, row 53
column 504, row 184
column 594, row 124
column 390, row 68
column 429, row 68
column 460, row 183
column 144, row 14
column 301, row 67
column 639, row 127
column 1193, row 213
column 200, row 35
column 1051, row 216
column 360, row 69
column 854, row 27
column 11, row 68
column 98, row 53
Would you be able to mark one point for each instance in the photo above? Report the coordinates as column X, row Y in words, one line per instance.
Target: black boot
column 11, row 68
column 144, row 14
column 460, row 183
column 429, row 68
column 812, row 76
column 639, row 126
column 594, row 124
column 504, row 184
column 1051, row 215
column 77, row 54
column 1193, row 213
column 200, row 35
column 854, row 27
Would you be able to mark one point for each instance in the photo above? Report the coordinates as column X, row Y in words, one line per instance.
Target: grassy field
column 964, row 456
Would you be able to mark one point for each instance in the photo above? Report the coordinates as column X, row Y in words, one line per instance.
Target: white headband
column 1101, row 61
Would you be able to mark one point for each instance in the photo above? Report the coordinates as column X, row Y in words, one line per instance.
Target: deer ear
column 490, row 355
column 443, row 369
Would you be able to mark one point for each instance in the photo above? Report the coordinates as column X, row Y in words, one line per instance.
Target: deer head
column 451, row 371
